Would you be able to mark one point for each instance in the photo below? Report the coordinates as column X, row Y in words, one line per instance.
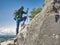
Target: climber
column 18, row 17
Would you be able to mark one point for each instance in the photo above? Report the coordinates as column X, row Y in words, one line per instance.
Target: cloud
column 8, row 30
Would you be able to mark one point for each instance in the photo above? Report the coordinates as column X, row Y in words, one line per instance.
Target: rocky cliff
column 44, row 29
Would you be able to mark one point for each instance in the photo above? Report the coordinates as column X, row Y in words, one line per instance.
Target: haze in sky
column 7, row 9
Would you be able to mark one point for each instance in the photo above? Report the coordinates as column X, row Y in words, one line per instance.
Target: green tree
column 34, row 12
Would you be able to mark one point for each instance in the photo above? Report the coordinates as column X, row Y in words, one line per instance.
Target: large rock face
column 44, row 29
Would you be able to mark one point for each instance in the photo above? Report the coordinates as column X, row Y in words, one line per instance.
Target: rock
column 44, row 29
column 9, row 42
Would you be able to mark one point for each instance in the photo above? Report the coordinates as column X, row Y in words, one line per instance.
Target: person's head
column 21, row 8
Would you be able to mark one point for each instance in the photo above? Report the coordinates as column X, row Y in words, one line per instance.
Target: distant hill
column 7, row 36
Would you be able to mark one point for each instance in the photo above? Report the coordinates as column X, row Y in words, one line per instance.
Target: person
column 19, row 18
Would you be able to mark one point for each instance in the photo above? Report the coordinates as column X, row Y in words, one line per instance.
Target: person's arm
column 26, row 11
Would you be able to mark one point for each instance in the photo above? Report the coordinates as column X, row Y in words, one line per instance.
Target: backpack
column 17, row 15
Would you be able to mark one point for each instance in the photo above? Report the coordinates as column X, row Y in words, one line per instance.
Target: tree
column 34, row 12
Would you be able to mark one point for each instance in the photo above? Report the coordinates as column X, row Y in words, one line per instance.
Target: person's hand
column 14, row 18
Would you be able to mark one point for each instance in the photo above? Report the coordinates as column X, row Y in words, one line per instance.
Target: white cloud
column 8, row 30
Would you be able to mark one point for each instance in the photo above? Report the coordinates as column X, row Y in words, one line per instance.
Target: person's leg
column 24, row 19
column 17, row 28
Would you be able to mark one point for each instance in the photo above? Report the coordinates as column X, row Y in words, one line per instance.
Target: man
column 19, row 18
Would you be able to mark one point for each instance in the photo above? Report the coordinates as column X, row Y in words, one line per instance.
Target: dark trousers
column 18, row 22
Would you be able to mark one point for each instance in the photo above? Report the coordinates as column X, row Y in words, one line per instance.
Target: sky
column 7, row 9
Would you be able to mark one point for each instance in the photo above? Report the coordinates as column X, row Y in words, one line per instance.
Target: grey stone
column 44, row 29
